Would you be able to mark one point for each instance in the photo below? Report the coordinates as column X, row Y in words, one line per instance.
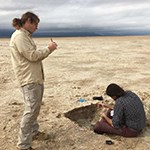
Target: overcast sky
column 122, row 14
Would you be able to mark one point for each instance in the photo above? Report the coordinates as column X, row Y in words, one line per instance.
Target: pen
column 52, row 40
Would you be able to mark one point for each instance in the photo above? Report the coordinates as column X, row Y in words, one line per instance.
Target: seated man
column 128, row 118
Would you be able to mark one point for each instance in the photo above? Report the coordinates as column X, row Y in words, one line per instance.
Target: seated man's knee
column 97, row 128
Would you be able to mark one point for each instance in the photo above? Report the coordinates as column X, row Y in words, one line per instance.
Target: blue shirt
column 129, row 111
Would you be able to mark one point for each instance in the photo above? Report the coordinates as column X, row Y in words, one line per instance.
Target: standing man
column 28, row 68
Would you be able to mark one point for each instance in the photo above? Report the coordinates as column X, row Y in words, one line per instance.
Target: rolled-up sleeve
column 27, row 48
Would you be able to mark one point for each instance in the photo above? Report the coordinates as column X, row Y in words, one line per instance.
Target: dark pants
column 103, row 127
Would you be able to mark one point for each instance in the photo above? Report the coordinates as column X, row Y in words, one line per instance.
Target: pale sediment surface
column 79, row 68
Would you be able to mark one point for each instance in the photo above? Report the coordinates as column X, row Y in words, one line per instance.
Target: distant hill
column 64, row 34
column 6, row 33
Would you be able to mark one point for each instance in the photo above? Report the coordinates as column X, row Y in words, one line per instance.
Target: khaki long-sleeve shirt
column 26, row 59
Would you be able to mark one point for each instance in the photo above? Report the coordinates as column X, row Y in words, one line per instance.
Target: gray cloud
column 129, row 14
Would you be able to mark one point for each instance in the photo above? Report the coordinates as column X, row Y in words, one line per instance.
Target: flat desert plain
column 80, row 68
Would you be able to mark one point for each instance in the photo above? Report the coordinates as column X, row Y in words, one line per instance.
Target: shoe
column 30, row 148
column 40, row 136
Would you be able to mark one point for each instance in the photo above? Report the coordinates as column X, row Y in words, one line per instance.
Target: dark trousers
column 102, row 126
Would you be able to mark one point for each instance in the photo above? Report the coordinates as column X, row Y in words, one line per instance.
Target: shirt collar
column 26, row 32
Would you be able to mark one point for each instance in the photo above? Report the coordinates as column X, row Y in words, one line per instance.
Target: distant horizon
column 6, row 33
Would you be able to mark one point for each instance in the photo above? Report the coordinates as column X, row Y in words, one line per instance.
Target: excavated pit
column 84, row 116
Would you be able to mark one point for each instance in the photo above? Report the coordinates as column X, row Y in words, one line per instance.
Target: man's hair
column 29, row 15
column 16, row 22
column 114, row 90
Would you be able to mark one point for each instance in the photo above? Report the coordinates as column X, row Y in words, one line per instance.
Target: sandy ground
column 80, row 68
